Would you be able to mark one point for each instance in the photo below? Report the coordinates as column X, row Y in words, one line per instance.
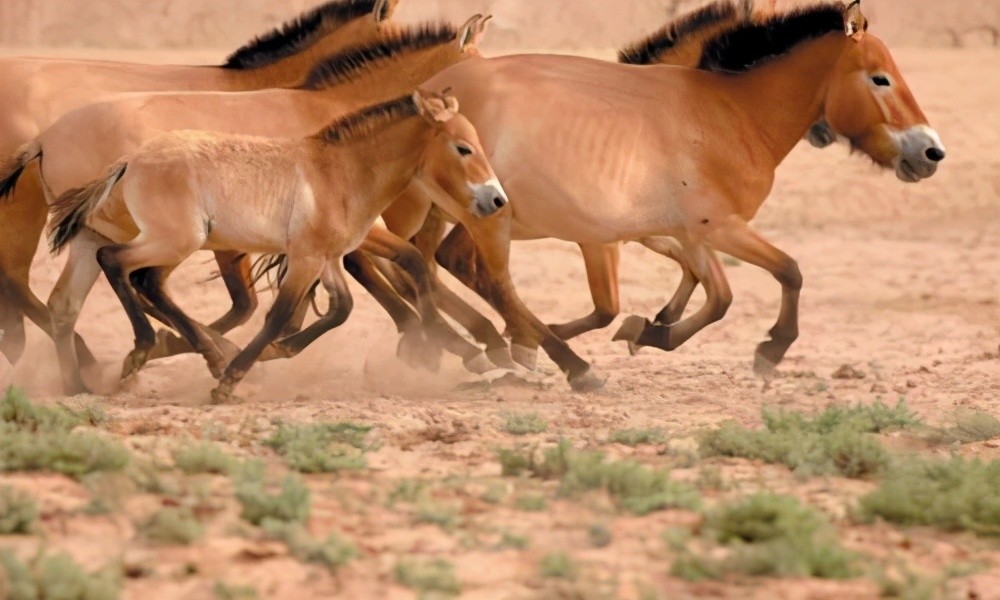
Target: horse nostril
column 499, row 202
column 934, row 154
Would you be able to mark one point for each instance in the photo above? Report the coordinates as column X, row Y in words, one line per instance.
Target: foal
column 313, row 199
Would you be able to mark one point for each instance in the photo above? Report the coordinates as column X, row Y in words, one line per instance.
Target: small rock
column 911, row 383
column 878, row 388
column 848, row 372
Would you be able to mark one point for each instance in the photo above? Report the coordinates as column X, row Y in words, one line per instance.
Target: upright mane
column 297, row 34
column 648, row 50
column 749, row 44
column 364, row 122
column 353, row 62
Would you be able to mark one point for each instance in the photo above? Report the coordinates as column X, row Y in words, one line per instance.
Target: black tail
column 12, row 168
column 70, row 211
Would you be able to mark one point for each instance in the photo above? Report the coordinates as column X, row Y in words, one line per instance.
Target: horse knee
column 341, row 306
column 412, row 261
column 604, row 317
column 790, row 276
column 720, row 306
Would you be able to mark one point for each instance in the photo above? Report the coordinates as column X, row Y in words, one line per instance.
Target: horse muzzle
column 920, row 151
column 488, row 198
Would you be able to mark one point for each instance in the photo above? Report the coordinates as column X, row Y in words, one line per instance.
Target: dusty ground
column 901, row 282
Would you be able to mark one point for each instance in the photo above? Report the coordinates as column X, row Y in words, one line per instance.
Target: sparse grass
column 444, row 517
column 333, row 552
column 290, row 504
column 558, row 565
column 524, row 423
column 226, row 591
column 954, row 495
column 407, row 490
column 495, row 493
column 18, row 512
column 321, row 447
column 599, row 536
column 512, row 540
column 972, row 426
column 769, row 535
column 203, row 457
column 634, row 486
column 56, row 577
column 436, row 576
column 171, row 525
column 34, row 437
column 637, row 437
column 531, row 503
column 837, row 441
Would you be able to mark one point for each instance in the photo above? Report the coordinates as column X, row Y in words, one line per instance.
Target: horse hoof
column 417, row 353
column 588, row 381
column 501, row 357
column 478, row 364
column 524, row 356
column 631, row 329
column 134, row 362
column 223, row 394
column 633, row 348
column 768, row 356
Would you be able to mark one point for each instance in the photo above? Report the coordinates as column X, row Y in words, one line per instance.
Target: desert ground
column 901, row 304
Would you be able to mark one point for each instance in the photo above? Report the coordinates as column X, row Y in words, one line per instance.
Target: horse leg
column 708, row 270
column 112, row 259
column 385, row 245
column 234, row 268
column 150, row 283
column 601, row 262
column 12, row 334
column 302, row 274
column 674, row 309
column 340, row 308
column 412, row 347
column 74, row 284
column 490, row 277
column 740, row 241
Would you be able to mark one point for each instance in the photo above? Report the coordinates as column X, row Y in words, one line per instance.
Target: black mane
column 297, row 34
column 749, row 43
column 647, row 51
column 352, row 62
column 366, row 121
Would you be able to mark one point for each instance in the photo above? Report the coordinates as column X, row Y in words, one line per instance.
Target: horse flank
column 299, row 33
column 356, row 61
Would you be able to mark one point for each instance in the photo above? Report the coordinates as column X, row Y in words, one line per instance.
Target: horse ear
column 855, row 23
column 435, row 108
column 473, row 32
column 465, row 34
column 384, row 9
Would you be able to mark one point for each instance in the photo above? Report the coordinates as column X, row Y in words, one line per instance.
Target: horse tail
column 11, row 169
column 70, row 211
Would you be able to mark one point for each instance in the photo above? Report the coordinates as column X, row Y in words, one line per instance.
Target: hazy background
column 519, row 24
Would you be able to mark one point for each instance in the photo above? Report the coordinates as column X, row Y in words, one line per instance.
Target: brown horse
column 80, row 145
column 312, row 199
column 643, row 152
column 280, row 58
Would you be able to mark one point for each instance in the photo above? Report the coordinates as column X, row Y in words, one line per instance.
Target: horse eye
column 463, row 150
column 881, row 80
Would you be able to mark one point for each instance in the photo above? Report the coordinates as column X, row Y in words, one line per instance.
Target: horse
column 82, row 143
column 313, row 199
column 653, row 151
column 38, row 91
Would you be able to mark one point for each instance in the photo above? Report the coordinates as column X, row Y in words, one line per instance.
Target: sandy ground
column 902, row 282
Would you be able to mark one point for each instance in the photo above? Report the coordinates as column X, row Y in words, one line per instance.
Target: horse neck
column 389, row 159
column 783, row 98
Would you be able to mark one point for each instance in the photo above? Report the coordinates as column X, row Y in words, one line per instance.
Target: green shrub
column 524, row 423
column 225, row 591
column 974, row 426
column 321, row 447
column 56, row 577
column 290, row 504
column 427, row 577
column 637, row 437
column 558, row 565
column 17, row 511
column 203, row 457
column 17, row 410
column 531, row 503
column 333, row 552
column 442, row 516
column 599, row 536
column 954, row 495
column 769, row 535
column 837, row 441
column 173, row 526
column 76, row 453
column 512, row 540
